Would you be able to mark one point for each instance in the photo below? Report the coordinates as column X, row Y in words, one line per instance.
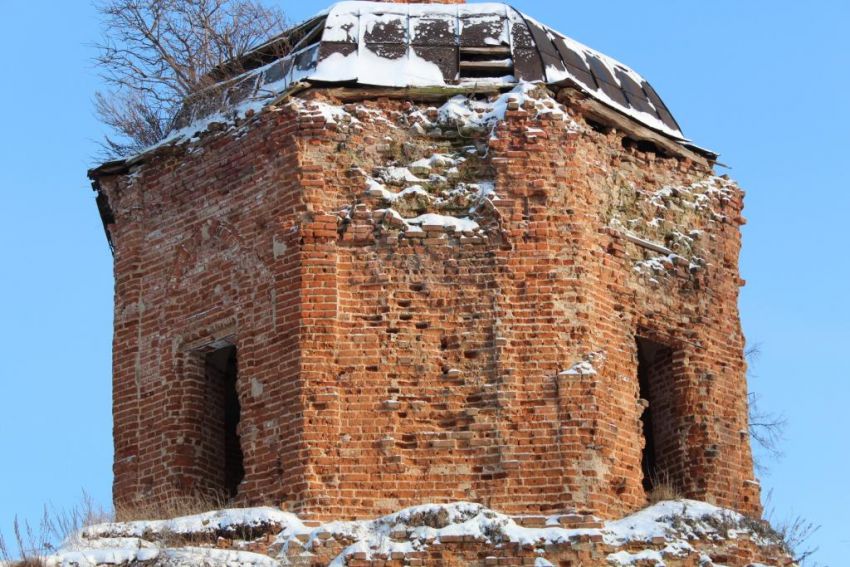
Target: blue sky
column 765, row 83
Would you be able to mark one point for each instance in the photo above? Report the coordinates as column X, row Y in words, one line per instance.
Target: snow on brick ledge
column 676, row 533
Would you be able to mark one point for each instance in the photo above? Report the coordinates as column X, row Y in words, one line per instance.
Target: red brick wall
column 206, row 250
column 378, row 370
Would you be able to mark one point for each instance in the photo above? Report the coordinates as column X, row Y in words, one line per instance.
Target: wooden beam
column 603, row 113
column 114, row 167
column 649, row 245
column 495, row 50
column 357, row 93
column 500, row 65
column 308, row 38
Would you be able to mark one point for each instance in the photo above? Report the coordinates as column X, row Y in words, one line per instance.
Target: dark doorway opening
column 655, row 379
column 222, row 421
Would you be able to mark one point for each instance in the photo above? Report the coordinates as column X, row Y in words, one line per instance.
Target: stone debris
column 675, row 533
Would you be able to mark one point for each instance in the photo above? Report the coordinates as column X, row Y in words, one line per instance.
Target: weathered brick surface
column 380, row 368
column 206, row 247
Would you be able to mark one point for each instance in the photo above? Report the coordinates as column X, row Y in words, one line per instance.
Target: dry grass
column 662, row 489
column 183, row 505
column 172, row 506
column 32, row 543
column 794, row 532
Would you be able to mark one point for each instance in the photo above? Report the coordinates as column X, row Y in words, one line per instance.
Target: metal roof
column 437, row 45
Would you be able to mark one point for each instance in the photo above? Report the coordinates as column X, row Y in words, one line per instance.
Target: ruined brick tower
column 431, row 253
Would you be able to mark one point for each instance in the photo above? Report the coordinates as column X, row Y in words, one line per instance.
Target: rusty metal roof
column 435, row 45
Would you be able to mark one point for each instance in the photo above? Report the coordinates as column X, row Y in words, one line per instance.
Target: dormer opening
column 486, row 62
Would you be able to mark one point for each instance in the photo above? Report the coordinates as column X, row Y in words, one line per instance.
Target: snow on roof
column 438, row 45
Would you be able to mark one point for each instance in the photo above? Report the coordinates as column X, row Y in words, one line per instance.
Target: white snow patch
column 655, row 521
column 409, row 70
column 431, row 219
column 486, row 189
column 696, row 196
column 391, row 197
column 438, row 160
column 464, row 111
column 398, row 175
column 654, row 265
column 582, row 368
column 624, row 558
column 332, row 113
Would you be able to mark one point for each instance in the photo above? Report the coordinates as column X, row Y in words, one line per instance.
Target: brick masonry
column 381, row 368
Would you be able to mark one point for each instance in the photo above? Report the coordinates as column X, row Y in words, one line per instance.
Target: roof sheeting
column 432, row 45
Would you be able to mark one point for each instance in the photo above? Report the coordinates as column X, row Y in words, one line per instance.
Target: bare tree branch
column 154, row 54
column 795, row 532
column 767, row 429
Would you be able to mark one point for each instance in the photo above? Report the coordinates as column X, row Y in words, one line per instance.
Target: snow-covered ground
column 668, row 529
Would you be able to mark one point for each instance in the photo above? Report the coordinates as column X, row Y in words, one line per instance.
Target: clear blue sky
column 765, row 83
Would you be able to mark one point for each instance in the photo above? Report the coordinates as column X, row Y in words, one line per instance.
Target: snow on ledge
column 460, row 111
column 583, row 368
column 466, row 111
column 586, row 366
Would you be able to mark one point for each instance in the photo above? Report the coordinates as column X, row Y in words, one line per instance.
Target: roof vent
column 481, row 62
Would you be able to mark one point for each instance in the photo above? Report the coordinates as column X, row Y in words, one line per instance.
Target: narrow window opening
column 223, row 414
column 655, row 379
